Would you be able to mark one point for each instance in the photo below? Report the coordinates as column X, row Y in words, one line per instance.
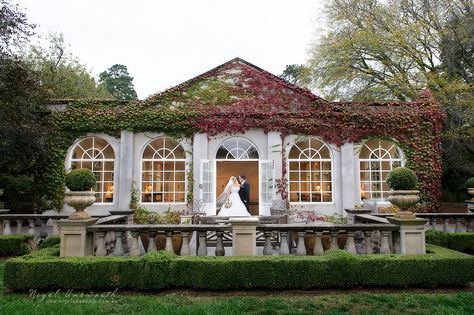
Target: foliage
column 14, row 29
column 161, row 270
column 377, row 49
column 80, row 179
column 296, row 74
column 143, row 216
column 62, row 75
column 118, row 82
column 463, row 242
column 402, row 178
column 134, row 196
column 470, row 183
column 50, row 242
column 19, row 191
column 15, row 245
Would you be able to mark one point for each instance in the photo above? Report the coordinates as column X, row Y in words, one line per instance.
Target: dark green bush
column 470, row 183
column 463, row 242
column 81, row 179
column 15, row 245
column 162, row 270
column 402, row 178
column 50, row 242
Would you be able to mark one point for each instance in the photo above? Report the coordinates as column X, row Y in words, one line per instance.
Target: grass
column 302, row 302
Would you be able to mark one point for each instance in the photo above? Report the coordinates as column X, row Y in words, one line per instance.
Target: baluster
column 458, row 225
column 267, row 248
column 8, row 229
column 446, row 222
column 19, row 226
column 169, row 242
column 368, row 242
column 433, row 223
column 55, row 227
column 301, row 249
column 284, row 250
column 385, row 246
column 151, row 242
column 220, row 244
column 470, row 225
column 31, row 229
column 107, row 240
column 135, row 250
column 318, row 244
column 118, row 249
column 202, row 249
column 1, row 226
column 350, row 245
column 334, row 244
column 185, row 251
column 101, row 251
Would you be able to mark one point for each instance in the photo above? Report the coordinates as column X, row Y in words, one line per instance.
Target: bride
column 232, row 205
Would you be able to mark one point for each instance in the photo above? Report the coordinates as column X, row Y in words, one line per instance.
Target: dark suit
column 244, row 194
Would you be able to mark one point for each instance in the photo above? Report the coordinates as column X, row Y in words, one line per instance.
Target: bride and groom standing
column 235, row 198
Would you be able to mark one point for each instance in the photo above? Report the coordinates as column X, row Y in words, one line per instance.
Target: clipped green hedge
column 15, row 245
column 463, row 242
column 50, row 242
column 161, row 270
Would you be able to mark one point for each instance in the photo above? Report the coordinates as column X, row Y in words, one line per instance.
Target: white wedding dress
column 237, row 208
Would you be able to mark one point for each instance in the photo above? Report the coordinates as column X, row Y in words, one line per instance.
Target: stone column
column 75, row 240
column 200, row 152
column 244, row 239
column 410, row 238
column 348, row 184
column 125, row 176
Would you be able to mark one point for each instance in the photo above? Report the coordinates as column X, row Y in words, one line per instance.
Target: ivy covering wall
column 238, row 96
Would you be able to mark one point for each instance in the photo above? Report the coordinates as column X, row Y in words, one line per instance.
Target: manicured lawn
column 243, row 303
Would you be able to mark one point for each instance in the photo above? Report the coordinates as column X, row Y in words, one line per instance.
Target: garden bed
column 161, row 270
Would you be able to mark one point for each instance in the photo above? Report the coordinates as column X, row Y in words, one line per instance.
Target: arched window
column 97, row 155
column 310, row 172
column 237, row 149
column 377, row 158
column 163, row 172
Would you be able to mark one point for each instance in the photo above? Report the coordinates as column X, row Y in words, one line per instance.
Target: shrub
column 463, row 242
column 15, row 245
column 143, row 216
column 402, row 178
column 162, row 270
column 470, row 183
column 50, row 242
column 80, row 180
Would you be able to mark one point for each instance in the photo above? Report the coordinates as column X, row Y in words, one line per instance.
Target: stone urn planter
column 403, row 182
column 404, row 199
column 80, row 194
column 79, row 200
column 470, row 188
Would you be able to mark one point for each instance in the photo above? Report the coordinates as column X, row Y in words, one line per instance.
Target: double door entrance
column 215, row 175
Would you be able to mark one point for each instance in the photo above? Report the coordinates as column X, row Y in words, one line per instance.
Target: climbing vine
column 237, row 97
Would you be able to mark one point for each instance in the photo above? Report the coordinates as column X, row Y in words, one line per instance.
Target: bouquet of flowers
column 228, row 203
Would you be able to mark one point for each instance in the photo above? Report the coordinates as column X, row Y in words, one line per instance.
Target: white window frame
column 381, row 154
column 163, row 159
column 243, row 156
column 310, row 160
column 94, row 159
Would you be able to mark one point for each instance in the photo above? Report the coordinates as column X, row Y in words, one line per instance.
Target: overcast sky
column 166, row 42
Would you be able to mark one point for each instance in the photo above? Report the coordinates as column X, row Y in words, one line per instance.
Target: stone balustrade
column 112, row 240
column 447, row 222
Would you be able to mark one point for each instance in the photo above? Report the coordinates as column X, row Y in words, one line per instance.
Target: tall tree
column 62, row 74
column 118, row 82
column 296, row 74
column 393, row 49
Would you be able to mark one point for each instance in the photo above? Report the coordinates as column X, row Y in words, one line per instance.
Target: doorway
column 227, row 168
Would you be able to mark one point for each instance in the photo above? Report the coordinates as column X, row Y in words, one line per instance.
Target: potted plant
column 470, row 187
column 403, row 182
column 79, row 194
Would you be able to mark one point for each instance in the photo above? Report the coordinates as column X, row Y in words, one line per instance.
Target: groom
column 244, row 191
